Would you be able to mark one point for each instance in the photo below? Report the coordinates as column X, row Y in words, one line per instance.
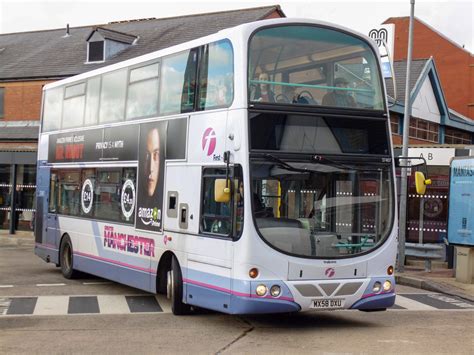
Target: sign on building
column 384, row 36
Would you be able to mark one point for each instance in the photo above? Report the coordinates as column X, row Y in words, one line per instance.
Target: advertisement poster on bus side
column 151, row 166
column 104, row 144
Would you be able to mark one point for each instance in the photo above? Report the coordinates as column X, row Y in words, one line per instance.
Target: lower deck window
column 105, row 194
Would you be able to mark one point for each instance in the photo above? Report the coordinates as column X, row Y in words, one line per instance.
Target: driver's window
column 215, row 216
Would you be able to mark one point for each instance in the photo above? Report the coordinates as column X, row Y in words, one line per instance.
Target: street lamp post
column 406, row 128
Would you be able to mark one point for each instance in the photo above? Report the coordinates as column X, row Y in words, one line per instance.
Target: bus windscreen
column 311, row 65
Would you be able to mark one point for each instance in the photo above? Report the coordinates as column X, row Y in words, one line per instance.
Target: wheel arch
column 164, row 266
column 65, row 234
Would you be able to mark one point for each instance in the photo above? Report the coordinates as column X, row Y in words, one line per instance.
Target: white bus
column 249, row 171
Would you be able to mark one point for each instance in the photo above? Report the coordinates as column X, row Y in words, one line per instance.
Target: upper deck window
column 216, row 75
column 52, row 109
column 309, row 65
column 178, row 73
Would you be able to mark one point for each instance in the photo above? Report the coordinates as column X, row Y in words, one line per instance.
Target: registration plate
column 327, row 303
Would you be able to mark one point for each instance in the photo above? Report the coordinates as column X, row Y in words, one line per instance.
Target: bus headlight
column 377, row 287
column 275, row 290
column 261, row 290
column 387, row 286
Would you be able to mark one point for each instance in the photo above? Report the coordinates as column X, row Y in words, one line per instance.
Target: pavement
column 440, row 279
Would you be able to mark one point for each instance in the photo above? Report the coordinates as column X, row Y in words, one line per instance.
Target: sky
column 454, row 19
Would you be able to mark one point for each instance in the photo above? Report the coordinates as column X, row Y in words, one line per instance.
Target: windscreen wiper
column 322, row 159
column 285, row 165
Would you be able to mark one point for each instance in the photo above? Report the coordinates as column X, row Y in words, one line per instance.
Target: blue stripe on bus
column 381, row 301
column 46, row 253
column 237, row 287
column 370, row 300
column 232, row 304
column 244, row 305
column 214, row 292
column 114, row 272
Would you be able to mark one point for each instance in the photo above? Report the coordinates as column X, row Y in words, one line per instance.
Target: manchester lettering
column 128, row 243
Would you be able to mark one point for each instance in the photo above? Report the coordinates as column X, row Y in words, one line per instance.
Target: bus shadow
column 306, row 320
column 331, row 319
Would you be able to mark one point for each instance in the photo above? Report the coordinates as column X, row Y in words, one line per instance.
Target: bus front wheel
column 66, row 256
column 174, row 289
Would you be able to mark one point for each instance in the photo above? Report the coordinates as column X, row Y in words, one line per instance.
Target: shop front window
column 25, row 197
column 5, row 193
column 428, row 214
column 24, row 200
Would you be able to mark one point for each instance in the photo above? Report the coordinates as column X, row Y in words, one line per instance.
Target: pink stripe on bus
column 47, row 246
column 376, row 294
column 115, row 262
column 222, row 289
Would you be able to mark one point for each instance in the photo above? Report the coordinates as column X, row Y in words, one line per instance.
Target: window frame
column 318, row 108
column 97, row 111
column 203, row 61
column 196, row 51
column 92, row 214
column 72, row 97
column 414, row 127
column 130, row 83
column 89, row 52
column 60, row 106
column 457, row 136
column 101, row 98
column 232, row 235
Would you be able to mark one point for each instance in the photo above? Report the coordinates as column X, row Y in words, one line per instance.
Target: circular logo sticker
column 87, row 196
column 128, row 198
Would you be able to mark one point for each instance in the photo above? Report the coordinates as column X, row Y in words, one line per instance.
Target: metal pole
column 420, row 222
column 13, row 198
column 406, row 128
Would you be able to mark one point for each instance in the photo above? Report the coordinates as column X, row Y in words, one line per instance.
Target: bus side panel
column 46, row 243
column 208, row 286
column 112, row 251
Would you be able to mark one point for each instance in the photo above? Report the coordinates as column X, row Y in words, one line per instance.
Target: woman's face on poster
column 152, row 163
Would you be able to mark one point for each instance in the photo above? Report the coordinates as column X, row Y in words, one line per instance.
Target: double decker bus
column 249, row 171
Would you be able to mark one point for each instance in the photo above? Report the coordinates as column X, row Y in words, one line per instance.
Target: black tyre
column 175, row 289
column 66, row 258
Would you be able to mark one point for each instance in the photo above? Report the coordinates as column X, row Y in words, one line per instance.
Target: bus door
column 221, row 222
column 42, row 196
column 50, row 211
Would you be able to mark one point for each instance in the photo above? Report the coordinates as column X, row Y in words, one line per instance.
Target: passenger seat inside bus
column 286, row 234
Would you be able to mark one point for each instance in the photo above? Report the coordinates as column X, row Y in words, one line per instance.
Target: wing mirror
column 420, row 178
column 421, row 182
column 221, row 190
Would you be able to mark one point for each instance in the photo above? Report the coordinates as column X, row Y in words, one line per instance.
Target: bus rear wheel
column 66, row 258
column 174, row 289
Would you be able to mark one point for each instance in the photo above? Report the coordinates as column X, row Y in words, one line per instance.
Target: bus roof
column 243, row 30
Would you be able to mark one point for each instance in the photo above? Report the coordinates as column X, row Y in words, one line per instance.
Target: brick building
column 437, row 133
column 29, row 60
column 455, row 64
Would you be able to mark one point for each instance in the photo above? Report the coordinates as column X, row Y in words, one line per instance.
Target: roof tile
column 51, row 54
